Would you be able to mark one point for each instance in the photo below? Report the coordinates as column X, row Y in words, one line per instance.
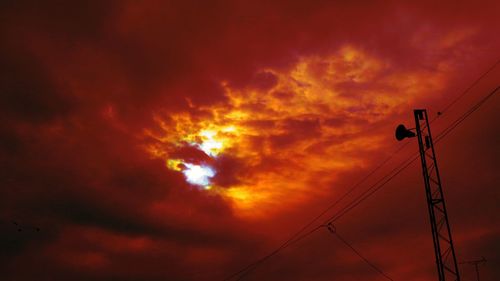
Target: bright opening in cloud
column 210, row 144
column 198, row 174
column 309, row 118
column 214, row 140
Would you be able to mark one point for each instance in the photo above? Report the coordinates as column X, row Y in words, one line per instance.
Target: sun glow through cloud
column 308, row 123
column 210, row 145
column 187, row 139
column 198, row 174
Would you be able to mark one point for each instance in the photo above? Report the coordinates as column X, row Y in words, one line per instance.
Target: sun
column 281, row 139
column 198, row 174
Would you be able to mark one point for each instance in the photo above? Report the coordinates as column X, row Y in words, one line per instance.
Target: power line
column 368, row 193
column 334, row 232
column 254, row 265
column 372, row 189
column 466, row 114
column 470, row 87
column 293, row 239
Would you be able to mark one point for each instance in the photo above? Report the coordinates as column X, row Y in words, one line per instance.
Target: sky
column 184, row 140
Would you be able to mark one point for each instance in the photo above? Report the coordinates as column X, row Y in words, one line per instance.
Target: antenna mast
column 441, row 234
column 444, row 251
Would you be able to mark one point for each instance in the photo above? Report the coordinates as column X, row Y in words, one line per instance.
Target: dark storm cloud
column 27, row 92
column 191, row 154
column 230, row 171
column 64, row 20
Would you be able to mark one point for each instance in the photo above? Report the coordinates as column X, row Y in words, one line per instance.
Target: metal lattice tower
column 441, row 234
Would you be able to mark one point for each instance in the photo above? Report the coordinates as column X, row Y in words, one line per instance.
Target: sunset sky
column 184, row 140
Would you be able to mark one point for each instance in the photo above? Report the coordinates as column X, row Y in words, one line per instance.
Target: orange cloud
column 301, row 128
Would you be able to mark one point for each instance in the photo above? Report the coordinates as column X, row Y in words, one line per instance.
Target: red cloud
column 304, row 96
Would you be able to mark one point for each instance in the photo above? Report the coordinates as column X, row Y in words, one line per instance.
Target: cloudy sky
column 184, row 140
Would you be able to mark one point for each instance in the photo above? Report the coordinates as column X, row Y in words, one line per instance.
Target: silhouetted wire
column 365, row 195
column 372, row 189
column 249, row 268
column 293, row 239
column 466, row 114
column 334, row 232
column 470, row 87
column 253, row 266
column 375, row 187
column 466, row 91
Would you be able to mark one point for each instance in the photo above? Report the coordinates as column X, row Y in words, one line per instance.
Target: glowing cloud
column 175, row 164
column 210, row 145
column 198, row 174
column 290, row 134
